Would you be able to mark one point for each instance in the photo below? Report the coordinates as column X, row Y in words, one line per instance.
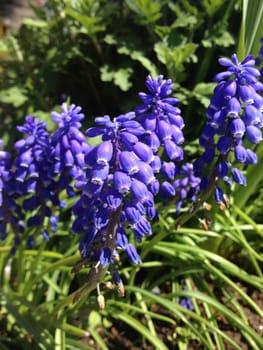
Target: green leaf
column 35, row 23
column 14, row 95
column 99, row 340
column 175, row 57
column 185, row 20
column 212, row 6
column 139, row 327
column 92, row 25
column 251, row 28
column 254, row 25
column 148, row 11
column 95, row 319
column 219, row 36
column 203, row 92
column 181, row 313
column 29, row 321
column 139, row 56
column 224, row 40
column 60, row 340
column 73, row 344
column 120, row 77
column 125, row 48
column 3, row 47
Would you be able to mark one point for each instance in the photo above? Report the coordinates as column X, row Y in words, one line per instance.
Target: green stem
column 97, row 272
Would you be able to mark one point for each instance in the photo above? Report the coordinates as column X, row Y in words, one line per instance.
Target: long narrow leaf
column 134, row 323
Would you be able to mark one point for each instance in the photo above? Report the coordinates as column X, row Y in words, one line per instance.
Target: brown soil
column 120, row 336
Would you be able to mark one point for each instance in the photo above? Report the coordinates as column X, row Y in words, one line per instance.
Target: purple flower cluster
column 163, row 124
column 32, row 182
column 234, row 120
column 186, row 185
column 125, row 172
column 10, row 211
column 161, row 120
column 118, row 175
column 138, row 156
column 68, row 147
column 30, row 174
column 122, row 174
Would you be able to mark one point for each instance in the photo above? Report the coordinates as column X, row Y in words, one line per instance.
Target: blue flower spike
column 234, row 123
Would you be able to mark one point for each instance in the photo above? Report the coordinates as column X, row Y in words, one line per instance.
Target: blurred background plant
column 197, row 288
column 83, row 49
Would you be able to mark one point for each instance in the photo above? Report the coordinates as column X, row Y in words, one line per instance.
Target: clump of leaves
column 84, row 49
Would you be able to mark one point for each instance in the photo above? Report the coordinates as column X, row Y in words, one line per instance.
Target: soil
column 255, row 321
column 120, row 336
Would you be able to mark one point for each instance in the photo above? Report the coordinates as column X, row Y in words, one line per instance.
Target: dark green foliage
column 83, row 49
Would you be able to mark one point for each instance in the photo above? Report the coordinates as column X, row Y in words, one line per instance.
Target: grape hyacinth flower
column 68, row 147
column 44, row 166
column 234, row 120
column 31, row 177
column 121, row 173
column 119, row 178
column 163, row 125
column 187, row 186
column 10, row 211
column 185, row 301
column 161, row 120
column 4, row 170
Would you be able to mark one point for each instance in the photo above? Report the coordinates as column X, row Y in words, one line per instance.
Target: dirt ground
column 120, row 336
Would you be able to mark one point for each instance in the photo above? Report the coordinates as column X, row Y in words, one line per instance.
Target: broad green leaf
column 35, row 23
column 95, row 319
column 14, row 95
column 225, row 40
column 212, row 6
column 92, row 25
column 185, row 21
column 175, row 57
column 139, row 56
column 110, row 39
column 203, row 92
column 120, row 77
column 124, row 48
column 186, row 4
column 218, row 36
column 148, row 11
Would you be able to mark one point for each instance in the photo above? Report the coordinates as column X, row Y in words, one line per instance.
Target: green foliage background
column 97, row 54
